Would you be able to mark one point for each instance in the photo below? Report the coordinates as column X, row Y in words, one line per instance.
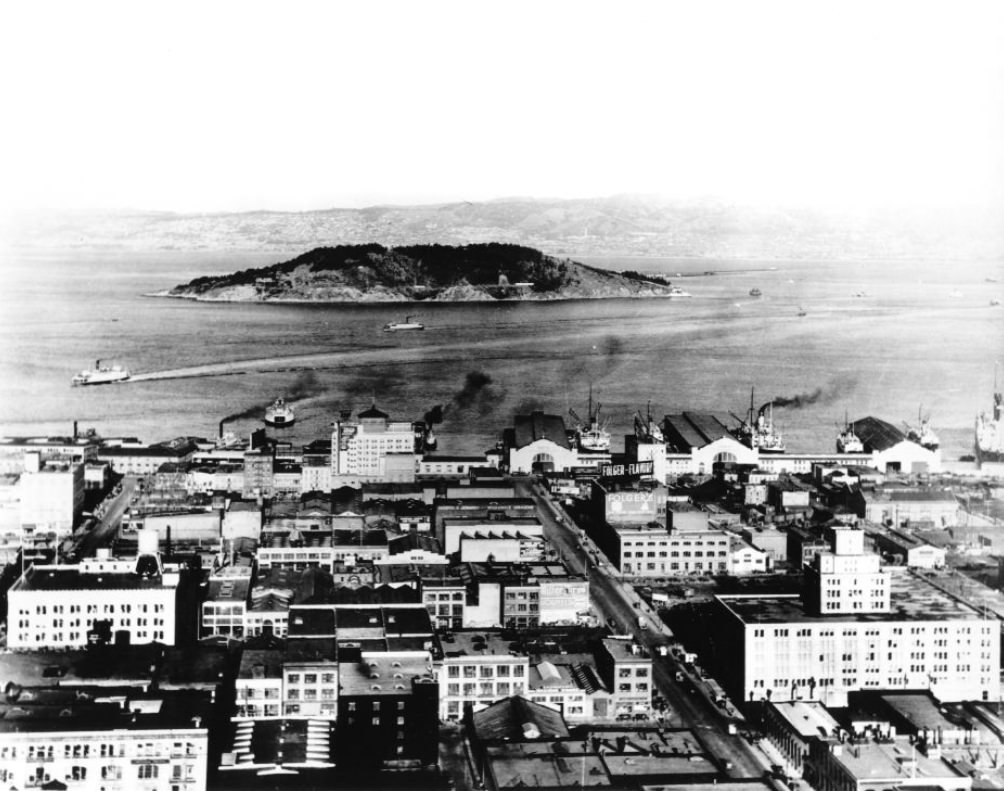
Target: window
column 148, row 771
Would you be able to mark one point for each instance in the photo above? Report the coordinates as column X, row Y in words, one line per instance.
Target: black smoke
column 434, row 415
column 474, row 387
column 821, row 395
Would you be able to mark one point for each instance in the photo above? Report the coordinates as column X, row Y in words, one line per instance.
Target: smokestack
column 74, row 430
column 221, row 427
column 167, row 543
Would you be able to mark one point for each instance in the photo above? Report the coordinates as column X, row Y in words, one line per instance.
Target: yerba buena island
column 373, row 273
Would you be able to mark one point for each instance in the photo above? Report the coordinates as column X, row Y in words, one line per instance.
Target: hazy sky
column 220, row 106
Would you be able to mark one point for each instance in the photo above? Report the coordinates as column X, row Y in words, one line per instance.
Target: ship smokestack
column 221, row 427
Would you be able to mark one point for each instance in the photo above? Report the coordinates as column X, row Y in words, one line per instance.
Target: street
column 618, row 602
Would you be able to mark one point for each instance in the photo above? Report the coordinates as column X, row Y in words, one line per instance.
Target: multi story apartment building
column 626, row 669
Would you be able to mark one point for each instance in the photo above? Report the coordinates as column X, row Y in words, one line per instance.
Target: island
column 419, row 273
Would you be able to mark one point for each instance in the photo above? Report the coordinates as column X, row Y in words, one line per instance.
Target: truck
column 642, row 622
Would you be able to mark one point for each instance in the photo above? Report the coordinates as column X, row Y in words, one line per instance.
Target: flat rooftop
column 475, row 644
column 807, row 718
column 379, row 675
column 883, row 761
column 57, row 578
column 911, row 599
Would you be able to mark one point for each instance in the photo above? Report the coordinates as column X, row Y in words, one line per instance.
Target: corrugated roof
column 537, row 426
column 694, row 429
column 505, row 720
column 877, row 435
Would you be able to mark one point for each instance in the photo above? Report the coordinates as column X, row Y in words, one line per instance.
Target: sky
column 217, row 106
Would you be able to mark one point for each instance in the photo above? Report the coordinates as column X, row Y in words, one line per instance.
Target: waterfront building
column 433, row 465
column 538, row 443
column 128, row 459
column 374, row 448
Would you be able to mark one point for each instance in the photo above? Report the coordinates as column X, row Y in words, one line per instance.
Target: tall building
column 373, row 448
column 857, row 627
column 51, row 494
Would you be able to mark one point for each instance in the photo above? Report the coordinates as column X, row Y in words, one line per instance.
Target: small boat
column 678, row 292
column 279, row 413
column 801, row 312
column 407, row 324
column 994, row 302
column 100, row 375
column 755, row 292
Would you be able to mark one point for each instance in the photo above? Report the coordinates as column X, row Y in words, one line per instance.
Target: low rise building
column 477, row 670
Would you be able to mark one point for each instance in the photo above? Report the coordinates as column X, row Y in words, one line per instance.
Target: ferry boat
column 757, row 431
column 990, row 431
column 100, row 375
column 279, row 413
column 407, row 324
column 591, row 435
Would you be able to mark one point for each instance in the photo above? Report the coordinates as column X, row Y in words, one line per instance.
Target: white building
column 374, row 448
column 857, row 627
column 479, row 672
column 147, row 744
column 745, row 558
column 539, row 443
column 56, row 606
column 51, row 494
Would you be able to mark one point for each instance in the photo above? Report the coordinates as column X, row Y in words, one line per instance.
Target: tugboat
column 280, row 414
column 757, row 431
column 990, row 431
column 100, row 376
column 591, row 436
column 848, row 441
column 407, row 324
column 755, row 292
column 923, row 435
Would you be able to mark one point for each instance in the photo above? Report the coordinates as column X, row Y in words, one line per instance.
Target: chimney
column 74, row 430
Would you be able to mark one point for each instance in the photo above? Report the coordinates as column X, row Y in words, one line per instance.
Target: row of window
column 91, row 609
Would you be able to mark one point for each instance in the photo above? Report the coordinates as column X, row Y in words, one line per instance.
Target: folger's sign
column 636, row 470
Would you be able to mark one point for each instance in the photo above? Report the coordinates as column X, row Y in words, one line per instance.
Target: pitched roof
column 877, row 435
column 537, row 426
column 505, row 720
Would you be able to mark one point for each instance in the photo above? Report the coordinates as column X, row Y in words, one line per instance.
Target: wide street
column 617, row 601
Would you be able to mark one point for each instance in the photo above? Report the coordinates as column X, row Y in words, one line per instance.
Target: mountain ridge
column 620, row 225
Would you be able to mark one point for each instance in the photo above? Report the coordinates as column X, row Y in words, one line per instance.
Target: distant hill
column 613, row 226
column 374, row 273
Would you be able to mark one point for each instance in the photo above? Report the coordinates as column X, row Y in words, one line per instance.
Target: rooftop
column 911, row 599
column 380, row 674
column 878, row 761
column 55, row 578
column 807, row 718
column 538, row 426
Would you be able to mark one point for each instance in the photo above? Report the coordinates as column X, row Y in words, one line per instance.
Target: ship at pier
column 923, row 434
column 848, row 441
column 757, row 431
column 989, row 445
column 591, row 435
